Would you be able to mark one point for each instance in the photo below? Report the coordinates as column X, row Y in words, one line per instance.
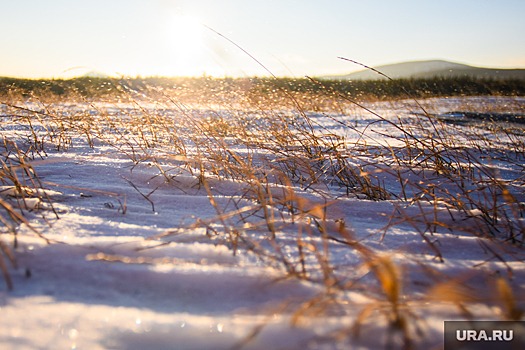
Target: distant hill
column 94, row 74
column 431, row 69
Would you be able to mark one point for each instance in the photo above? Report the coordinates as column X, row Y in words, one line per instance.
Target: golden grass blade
column 506, row 297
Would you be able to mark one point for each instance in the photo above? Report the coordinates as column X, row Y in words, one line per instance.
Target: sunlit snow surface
column 104, row 282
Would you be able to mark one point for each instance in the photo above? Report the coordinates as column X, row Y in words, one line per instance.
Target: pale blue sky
column 61, row 38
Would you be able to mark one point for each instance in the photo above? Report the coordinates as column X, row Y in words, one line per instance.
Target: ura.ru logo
column 482, row 335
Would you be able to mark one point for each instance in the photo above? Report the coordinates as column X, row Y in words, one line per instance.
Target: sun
column 184, row 41
column 185, row 32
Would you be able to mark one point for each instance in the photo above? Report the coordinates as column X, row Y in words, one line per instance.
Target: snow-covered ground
column 134, row 261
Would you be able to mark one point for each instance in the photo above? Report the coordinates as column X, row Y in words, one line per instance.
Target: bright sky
column 61, row 38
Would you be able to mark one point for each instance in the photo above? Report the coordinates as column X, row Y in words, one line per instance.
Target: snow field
column 143, row 253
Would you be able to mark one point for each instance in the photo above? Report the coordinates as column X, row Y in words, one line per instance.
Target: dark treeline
column 377, row 89
column 400, row 88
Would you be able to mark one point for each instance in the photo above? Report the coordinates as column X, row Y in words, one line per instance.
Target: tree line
column 88, row 88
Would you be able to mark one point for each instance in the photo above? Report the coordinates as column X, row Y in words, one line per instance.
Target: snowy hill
column 431, row 69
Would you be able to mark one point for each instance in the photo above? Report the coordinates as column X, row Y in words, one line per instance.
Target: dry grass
column 20, row 184
column 436, row 174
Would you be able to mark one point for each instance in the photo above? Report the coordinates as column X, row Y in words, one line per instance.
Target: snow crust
column 105, row 280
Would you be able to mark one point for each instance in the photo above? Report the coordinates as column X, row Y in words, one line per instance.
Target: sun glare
column 185, row 44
